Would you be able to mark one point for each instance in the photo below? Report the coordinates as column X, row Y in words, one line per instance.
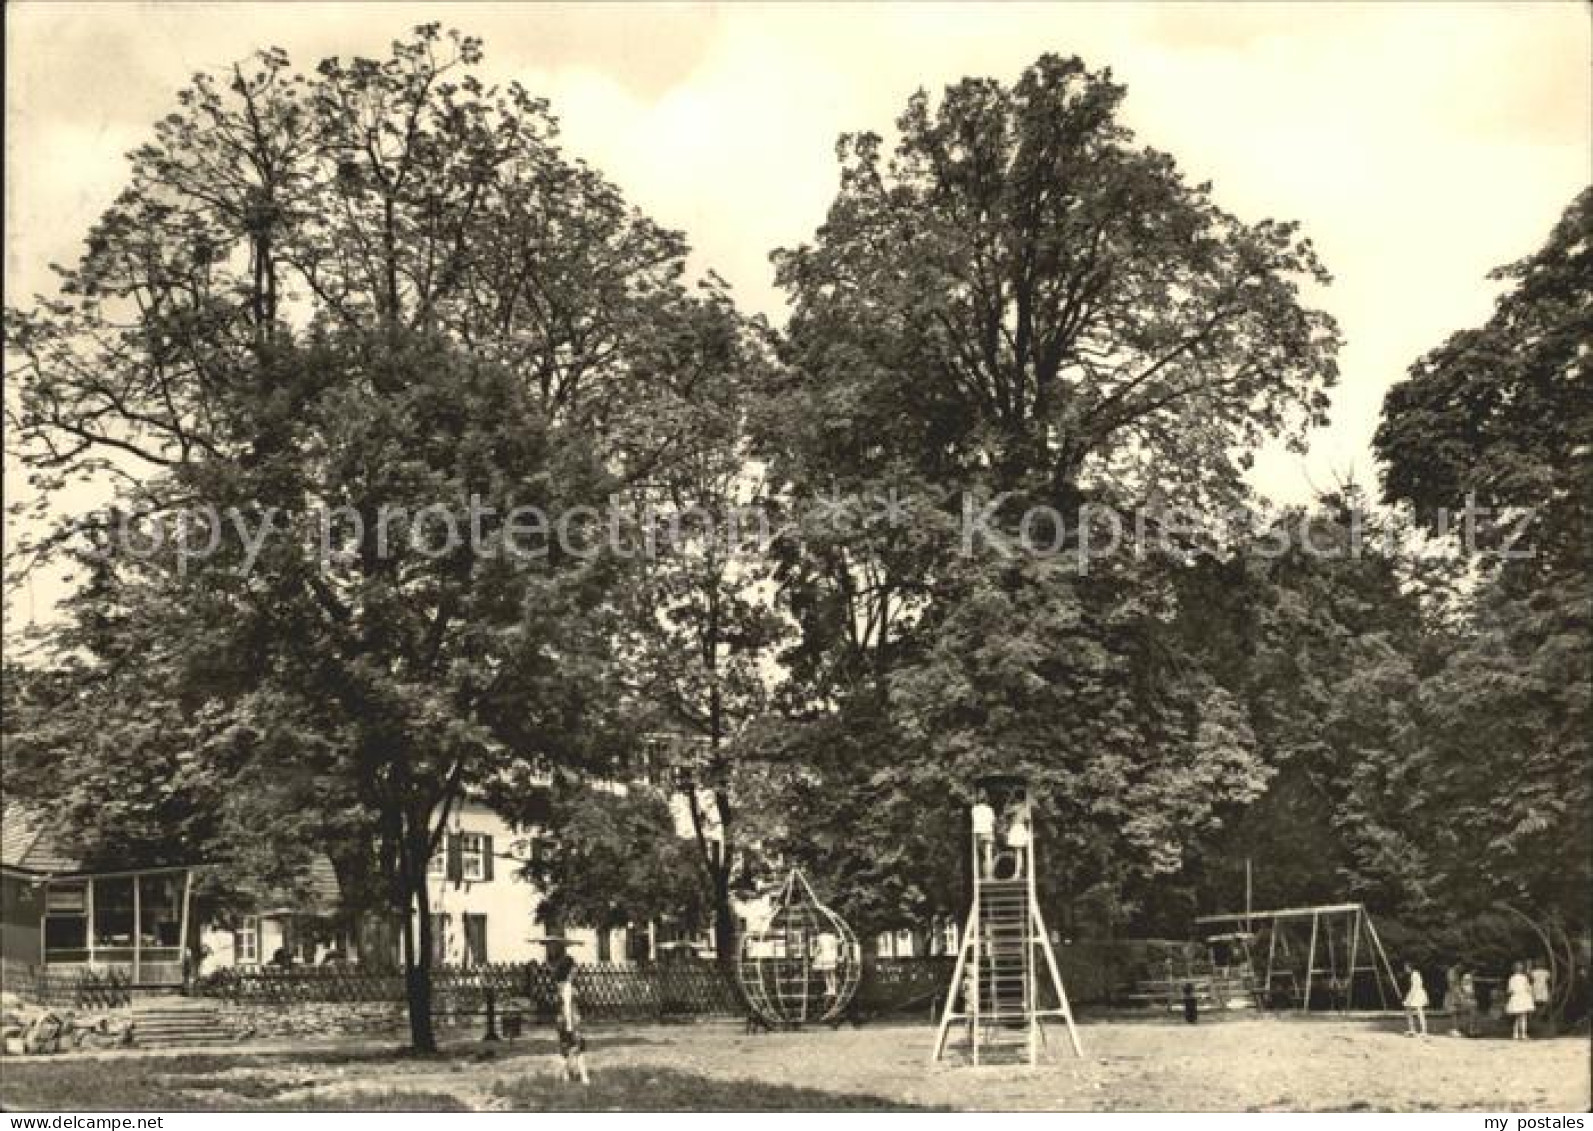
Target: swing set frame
column 1352, row 923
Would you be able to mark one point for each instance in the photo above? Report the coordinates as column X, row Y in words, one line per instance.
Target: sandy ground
column 1240, row 1064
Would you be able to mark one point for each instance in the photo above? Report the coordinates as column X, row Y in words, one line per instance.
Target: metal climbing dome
column 804, row 965
column 1006, row 983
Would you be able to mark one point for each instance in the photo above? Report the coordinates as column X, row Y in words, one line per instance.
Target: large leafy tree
column 1021, row 295
column 692, row 629
column 371, row 295
column 700, row 631
column 1318, row 626
column 613, row 858
column 1020, row 306
column 1499, row 413
column 1501, row 416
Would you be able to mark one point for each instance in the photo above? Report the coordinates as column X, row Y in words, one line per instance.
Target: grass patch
column 665, row 1089
column 191, row 1083
column 391, row 1099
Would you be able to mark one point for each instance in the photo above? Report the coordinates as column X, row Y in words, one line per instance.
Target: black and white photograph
column 797, row 557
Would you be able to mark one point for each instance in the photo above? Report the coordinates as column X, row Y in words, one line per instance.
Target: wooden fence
column 608, row 991
column 110, row 988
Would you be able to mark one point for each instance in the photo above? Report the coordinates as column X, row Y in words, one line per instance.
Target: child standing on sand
column 1415, row 1003
column 572, row 1043
column 1518, row 1002
column 1542, row 982
column 1465, row 1007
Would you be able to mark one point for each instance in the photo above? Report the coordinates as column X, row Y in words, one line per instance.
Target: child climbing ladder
column 1003, row 946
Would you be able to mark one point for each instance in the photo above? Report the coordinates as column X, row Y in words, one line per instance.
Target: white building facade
column 484, row 910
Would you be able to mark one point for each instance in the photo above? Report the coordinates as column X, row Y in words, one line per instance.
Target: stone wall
column 265, row 1020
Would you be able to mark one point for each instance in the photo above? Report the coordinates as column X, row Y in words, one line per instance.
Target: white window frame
column 246, row 942
column 80, row 909
column 55, row 906
column 472, row 857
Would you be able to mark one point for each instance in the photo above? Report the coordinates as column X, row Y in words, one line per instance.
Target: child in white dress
column 572, row 1042
column 1518, row 1002
column 984, row 831
column 1415, row 1003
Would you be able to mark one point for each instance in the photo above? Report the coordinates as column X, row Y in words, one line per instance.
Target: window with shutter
column 455, row 865
column 472, row 856
column 439, row 937
column 475, row 939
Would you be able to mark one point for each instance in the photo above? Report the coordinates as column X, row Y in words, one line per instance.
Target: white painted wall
column 508, row 901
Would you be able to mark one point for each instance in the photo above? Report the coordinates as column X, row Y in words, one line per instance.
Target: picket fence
column 110, row 988
column 608, row 990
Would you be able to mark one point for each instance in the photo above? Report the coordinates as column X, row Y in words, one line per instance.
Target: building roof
column 319, row 894
column 27, row 844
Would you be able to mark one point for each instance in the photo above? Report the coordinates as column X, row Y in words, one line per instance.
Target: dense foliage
column 338, row 312
column 1020, row 308
column 378, row 309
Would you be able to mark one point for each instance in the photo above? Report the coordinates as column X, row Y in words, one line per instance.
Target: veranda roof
column 28, row 844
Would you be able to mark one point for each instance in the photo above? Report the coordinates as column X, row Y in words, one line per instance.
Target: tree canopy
column 1019, row 307
column 426, row 472
column 364, row 311
column 1502, row 415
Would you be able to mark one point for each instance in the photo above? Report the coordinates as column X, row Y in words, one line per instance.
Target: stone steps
column 169, row 1023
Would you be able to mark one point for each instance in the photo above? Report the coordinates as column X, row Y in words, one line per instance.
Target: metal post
column 1355, row 944
column 1247, row 895
column 1310, row 961
column 138, row 921
column 1033, row 927
column 1272, row 949
column 1332, row 968
column 956, row 983
column 1061, row 990
column 1371, row 932
column 978, row 982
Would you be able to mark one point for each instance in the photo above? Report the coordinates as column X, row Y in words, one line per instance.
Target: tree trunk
column 725, row 933
column 417, row 957
column 724, row 916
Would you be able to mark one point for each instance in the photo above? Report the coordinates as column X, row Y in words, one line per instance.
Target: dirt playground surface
column 1243, row 1064
column 1238, row 1065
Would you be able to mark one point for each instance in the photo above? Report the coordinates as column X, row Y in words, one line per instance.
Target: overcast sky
column 1420, row 144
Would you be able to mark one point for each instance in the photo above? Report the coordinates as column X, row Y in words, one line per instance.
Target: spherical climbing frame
column 804, row 965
